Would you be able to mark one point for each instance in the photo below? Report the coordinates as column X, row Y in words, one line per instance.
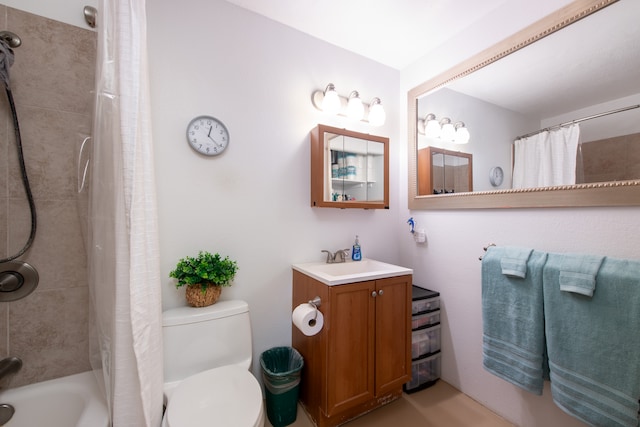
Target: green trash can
column 281, row 368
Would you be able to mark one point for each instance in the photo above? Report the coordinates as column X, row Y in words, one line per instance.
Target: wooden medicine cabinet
column 443, row 171
column 349, row 169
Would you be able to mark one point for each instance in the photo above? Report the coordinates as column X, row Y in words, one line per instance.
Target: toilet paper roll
column 308, row 319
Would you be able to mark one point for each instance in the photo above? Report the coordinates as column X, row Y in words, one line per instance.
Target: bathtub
column 72, row 401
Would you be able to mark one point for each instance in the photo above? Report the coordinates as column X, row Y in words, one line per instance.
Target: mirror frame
column 616, row 193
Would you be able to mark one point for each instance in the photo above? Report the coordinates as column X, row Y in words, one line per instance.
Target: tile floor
column 438, row 406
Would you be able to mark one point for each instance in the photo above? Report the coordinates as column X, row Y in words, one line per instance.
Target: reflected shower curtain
column 547, row 158
column 124, row 273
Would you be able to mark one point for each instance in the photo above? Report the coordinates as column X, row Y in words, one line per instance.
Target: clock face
column 496, row 175
column 207, row 135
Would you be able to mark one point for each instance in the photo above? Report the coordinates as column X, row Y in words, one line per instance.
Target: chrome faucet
column 9, row 366
column 340, row 255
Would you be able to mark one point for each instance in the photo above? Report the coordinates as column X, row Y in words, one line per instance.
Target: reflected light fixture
column 329, row 101
column 448, row 131
column 462, row 133
column 355, row 108
column 432, row 128
column 444, row 129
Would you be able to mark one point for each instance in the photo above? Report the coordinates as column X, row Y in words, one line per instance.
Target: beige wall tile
column 612, row 159
column 54, row 67
column 52, row 79
column 48, row 330
column 51, row 140
column 4, row 322
column 58, row 250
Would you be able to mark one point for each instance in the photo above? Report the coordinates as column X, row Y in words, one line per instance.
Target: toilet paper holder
column 315, row 303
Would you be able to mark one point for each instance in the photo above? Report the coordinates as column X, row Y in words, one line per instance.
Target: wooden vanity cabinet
column 362, row 356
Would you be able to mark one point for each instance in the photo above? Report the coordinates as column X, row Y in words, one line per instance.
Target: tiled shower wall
column 612, row 159
column 52, row 81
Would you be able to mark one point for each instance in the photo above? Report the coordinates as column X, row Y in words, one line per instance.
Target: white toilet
column 207, row 356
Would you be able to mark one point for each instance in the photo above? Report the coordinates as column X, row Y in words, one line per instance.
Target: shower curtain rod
column 595, row 116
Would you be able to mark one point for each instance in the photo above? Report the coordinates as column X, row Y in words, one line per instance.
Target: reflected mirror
column 443, row 171
column 579, row 67
column 349, row 169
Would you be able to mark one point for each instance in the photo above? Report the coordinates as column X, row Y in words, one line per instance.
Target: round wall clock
column 207, row 135
column 496, row 176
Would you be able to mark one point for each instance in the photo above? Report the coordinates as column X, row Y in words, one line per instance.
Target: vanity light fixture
column 352, row 107
column 444, row 129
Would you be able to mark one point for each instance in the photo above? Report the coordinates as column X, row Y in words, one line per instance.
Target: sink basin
column 350, row 271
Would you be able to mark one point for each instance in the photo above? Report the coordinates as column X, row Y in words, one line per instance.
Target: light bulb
column 377, row 115
column 462, row 133
column 448, row 131
column 432, row 128
column 331, row 102
column 355, row 108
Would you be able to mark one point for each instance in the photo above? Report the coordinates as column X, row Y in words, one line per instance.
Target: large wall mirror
column 578, row 71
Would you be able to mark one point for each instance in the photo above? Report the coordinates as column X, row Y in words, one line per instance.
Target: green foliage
column 205, row 269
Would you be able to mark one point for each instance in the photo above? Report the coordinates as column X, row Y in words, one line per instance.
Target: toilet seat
column 225, row 396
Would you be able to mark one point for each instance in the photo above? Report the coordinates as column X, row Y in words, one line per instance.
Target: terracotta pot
column 196, row 297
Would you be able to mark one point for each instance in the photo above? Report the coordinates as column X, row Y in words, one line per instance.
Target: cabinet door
column 350, row 352
column 393, row 333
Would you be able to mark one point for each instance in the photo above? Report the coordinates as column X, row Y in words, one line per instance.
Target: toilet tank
column 196, row 339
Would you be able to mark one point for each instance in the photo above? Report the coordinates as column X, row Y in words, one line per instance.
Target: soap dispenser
column 356, row 254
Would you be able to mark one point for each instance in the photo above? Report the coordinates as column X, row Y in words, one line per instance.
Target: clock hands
column 218, row 144
column 209, row 136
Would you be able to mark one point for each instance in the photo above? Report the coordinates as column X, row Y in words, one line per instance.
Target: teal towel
column 593, row 344
column 578, row 273
column 513, row 321
column 514, row 261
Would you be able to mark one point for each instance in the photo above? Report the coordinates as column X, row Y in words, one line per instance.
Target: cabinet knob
column 380, row 292
column 374, row 294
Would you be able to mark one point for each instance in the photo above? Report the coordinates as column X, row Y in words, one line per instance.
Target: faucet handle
column 342, row 253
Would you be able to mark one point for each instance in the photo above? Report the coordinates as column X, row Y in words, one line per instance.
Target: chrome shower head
column 12, row 39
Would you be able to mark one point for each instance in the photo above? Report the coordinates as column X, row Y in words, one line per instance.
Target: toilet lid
column 226, row 396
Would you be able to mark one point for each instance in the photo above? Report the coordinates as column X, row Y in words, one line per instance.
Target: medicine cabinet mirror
column 349, row 169
column 579, row 64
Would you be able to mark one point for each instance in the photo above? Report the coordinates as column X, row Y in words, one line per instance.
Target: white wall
column 449, row 263
column 253, row 202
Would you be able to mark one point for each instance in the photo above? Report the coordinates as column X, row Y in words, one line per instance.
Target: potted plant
column 204, row 276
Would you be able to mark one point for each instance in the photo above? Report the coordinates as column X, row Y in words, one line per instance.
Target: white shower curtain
column 124, row 273
column 547, row 158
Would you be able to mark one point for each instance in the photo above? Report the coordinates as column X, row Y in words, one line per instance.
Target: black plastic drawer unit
column 425, row 339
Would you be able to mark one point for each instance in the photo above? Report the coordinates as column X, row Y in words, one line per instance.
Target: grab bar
column 81, row 181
